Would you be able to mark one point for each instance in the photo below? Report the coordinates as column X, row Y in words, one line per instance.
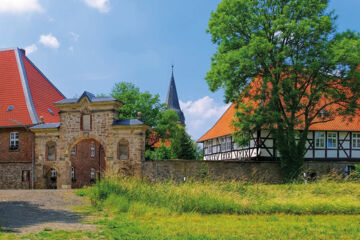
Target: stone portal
column 88, row 139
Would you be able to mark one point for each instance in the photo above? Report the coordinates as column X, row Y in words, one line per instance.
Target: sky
column 89, row 45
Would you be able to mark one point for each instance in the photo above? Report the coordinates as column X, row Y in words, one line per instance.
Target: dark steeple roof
column 172, row 100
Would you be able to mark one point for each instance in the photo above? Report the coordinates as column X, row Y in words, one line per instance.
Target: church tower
column 172, row 100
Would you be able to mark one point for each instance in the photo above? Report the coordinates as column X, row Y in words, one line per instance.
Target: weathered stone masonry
column 104, row 129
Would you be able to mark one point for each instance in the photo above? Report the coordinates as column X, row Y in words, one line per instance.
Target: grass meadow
column 134, row 209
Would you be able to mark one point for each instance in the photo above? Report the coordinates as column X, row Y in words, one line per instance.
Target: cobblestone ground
column 30, row 211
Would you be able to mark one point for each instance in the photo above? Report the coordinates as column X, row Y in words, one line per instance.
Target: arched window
column 123, row 150
column 51, row 151
column 53, row 174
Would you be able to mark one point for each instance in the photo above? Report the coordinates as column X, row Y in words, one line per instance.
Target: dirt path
column 25, row 211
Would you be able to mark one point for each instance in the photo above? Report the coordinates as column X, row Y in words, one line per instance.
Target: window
column 14, row 141
column 25, row 176
column 223, row 144
column 53, row 174
column 51, row 151
column 92, row 174
column 92, row 149
column 86, row 126
column 332, row 140
column 73, row 150
column 319, row 139
column 209, row 147
column 73, row 174
column 216, row 146
column 236, row 147
column 228, row 144
column 356, row 140
column 123, row 150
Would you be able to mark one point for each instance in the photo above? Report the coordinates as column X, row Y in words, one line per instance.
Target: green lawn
column 132, row 209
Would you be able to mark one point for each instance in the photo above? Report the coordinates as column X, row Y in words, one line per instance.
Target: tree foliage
column 135, row 101
column 286, row 67
column 182, row 146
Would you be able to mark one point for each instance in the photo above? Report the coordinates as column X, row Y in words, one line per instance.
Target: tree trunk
column 291, row 152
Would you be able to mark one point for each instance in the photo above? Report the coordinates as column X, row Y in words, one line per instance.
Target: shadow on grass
column 19, row 214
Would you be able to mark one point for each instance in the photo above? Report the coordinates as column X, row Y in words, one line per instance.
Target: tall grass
column 324, row 197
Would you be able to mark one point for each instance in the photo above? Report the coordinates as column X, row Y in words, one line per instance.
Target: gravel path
column 28, row 211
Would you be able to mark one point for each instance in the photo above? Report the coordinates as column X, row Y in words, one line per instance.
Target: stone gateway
column 49, row 141
column 88, row 139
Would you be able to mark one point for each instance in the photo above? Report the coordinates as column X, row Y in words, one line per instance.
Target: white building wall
column 320, row 153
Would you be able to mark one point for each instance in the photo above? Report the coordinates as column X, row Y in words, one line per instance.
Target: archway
column 87, row 163
column 51, row 178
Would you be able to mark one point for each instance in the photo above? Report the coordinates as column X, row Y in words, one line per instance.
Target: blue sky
column 92, row 44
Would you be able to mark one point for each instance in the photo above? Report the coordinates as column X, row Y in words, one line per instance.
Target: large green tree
column 153, row 112
column 304, row 70
column 182, row 146
column 136, row 101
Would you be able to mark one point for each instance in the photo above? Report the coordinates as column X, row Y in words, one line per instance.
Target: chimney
column 139, row 115
column 22, row 51
column 42, row 119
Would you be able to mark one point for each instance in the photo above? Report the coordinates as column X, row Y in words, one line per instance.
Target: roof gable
column 222, row 127
column 25, row 88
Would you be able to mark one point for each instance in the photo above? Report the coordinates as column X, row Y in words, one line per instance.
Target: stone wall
column 102, row 131
column 322, row 168
column 268, row 172
column 11, row 175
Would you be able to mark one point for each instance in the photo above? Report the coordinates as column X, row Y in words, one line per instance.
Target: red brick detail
column 82, row 162
column 24, row 153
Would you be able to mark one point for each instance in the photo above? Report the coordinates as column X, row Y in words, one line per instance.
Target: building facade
column 333, row 144
column 49, row 141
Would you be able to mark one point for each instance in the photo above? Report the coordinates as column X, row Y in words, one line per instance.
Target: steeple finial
column 172, row 100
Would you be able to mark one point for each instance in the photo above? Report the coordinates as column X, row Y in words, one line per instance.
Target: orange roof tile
column 26, row 89
column 224, row 125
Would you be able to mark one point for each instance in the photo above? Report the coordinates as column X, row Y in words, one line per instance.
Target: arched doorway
column 87, row 163
column 51, row 178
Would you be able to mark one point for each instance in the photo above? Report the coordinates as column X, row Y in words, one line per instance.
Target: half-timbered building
column 333, row 141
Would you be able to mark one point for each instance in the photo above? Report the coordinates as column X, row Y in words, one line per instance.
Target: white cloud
column 202, row 114
column 20, row 6
column 49, row 41
column 30, row 49
column 74, row 36
column 102, row 5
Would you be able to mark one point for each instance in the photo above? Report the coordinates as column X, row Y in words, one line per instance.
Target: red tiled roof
column 224, row 125
column 25, row 88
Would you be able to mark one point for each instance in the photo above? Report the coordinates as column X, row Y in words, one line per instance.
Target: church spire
column 172, row 100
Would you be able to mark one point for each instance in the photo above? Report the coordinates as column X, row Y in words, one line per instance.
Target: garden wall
column 268, row 172
column 254, row 171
